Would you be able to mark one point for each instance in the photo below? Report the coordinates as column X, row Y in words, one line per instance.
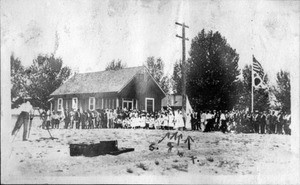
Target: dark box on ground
column 90, row 150
column 102, row 148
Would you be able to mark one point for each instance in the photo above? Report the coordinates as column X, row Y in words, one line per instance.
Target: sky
column 89, row 34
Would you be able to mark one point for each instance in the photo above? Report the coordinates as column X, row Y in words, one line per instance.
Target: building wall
column 147, row 88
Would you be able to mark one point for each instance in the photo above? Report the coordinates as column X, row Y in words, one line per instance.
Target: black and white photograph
column 150, row 91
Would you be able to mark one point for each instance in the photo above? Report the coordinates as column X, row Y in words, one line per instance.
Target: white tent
column 189, row 110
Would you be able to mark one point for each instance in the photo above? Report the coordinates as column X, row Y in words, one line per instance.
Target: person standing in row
column 287, row 123
column 44, row 118
column 83, row 119
column 217, row 120
column 210, row 121
column 77, row 118
column 202, row 120
column 273, row 120
column 67, row 118
column 193, row 121
column 280, row 123
column 263, row 123
column 223, row 122
column 268, row 123
column 179, row 123
column 256, row 122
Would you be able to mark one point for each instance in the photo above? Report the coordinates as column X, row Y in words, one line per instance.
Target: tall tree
column 45, row 75
column 261, row 96
column 244, row 87
column 115, row 65
column 156, row 69
column 177, row 78
column 212, row 73
column 18, row 80
column 283, row 90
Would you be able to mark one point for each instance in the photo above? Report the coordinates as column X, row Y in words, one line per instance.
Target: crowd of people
column 113, row 118
column 226, row 121
column 245, row 122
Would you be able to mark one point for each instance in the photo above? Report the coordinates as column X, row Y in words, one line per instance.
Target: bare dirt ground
column 254, row 158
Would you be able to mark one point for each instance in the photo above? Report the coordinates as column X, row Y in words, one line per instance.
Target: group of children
column 112, row 118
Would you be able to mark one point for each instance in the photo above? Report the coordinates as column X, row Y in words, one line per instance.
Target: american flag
column 258, row 68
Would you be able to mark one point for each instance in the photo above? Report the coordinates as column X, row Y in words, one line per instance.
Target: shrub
column 142, row 166
column 129, row 170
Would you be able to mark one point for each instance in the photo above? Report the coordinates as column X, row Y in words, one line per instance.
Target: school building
column 133, row 88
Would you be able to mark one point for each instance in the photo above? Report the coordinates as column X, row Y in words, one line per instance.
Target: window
column 113, row 104
column 75, row 103
column 59, row 104
column 92, row 103
column 149, row 104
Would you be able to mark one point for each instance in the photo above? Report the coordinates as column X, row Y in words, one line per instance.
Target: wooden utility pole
column 183, row 70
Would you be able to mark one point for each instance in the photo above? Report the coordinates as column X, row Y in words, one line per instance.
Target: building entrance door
column 128, row 104
column 149, row 104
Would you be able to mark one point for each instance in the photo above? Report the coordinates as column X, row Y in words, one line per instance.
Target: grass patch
column 129, row 170
column 142, row 166
column 222, row 163
column 201, row 163
column 210, row 159
column 180, row 167
column 215, row 142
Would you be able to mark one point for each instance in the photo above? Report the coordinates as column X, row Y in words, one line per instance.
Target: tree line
column 214, row 80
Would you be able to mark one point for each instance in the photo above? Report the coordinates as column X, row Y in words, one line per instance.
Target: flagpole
column 252, row 97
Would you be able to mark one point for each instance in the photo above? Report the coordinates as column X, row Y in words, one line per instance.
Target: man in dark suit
column 83, row 120
column 193, row 121
column 280, row 123
column 105, row 119
column 23, row 119
column 77, row 119
column 256, row 121
column 263, row 123
column 272, row 122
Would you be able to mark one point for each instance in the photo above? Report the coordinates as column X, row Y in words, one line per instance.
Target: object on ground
column 102, row 148
column 121, row 150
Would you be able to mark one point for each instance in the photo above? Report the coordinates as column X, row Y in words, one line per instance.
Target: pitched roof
column 98, row 82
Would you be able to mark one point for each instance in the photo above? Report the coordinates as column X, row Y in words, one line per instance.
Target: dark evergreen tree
column 212, row 72
column 177, row 78
column 283, row 90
